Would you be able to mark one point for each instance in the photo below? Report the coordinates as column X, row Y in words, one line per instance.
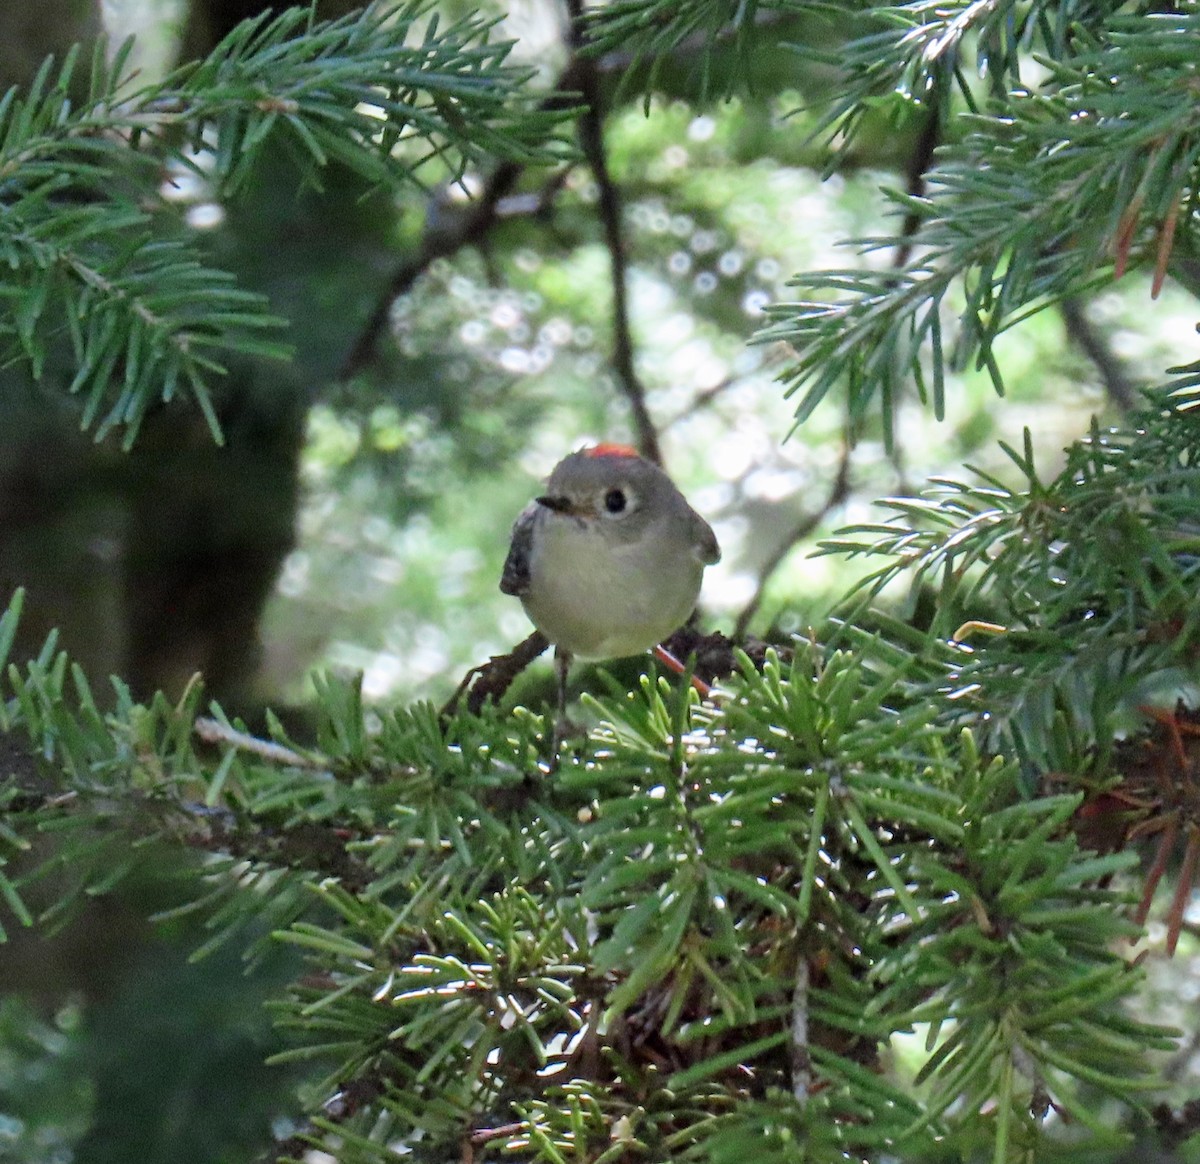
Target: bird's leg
column 668, row 660
column 562, row 726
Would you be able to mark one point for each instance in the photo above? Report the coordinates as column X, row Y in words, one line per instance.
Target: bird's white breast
column 601, row 597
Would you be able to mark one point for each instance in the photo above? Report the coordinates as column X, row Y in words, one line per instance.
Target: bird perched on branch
column 608, row 561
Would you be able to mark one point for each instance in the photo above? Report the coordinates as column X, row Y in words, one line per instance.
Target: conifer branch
column 699, row 940
column 653, row 32
column 1026, row 208
column 82, row 229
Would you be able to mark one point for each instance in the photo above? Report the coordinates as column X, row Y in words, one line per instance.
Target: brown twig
column 1184, row 884
column 1162, row 857
column 1158, row 795
column 837, row 494
column 1166, row 242
column 487, row 1135
column 1123, row 241
column 591, row 141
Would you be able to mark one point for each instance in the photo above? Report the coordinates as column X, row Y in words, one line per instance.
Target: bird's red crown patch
column 609, row 450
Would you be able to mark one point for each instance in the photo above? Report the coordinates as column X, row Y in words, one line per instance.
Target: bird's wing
column 514, row 579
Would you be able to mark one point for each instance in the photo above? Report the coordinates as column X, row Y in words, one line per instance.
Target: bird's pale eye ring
column 615, row 502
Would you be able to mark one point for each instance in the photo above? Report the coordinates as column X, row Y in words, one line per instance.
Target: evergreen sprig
column 1073, row 594
column 723, row 919
column 650, row 31
column 927, row 54
column 1039, row 193
column 93, row 257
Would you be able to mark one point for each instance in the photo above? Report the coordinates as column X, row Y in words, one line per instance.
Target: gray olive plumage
column 609, row 560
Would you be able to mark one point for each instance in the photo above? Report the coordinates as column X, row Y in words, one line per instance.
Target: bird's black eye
column 614, row 501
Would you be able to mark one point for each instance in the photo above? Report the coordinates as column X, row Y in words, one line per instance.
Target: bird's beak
column 557, row 504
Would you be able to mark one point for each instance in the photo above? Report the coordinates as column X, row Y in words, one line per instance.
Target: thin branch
column 707, row 397
column 441, row 237
column 212, row 731
column 446, row 233
column 487, row 1135
column 591, row 140
column 801, row 1060
column 918, row 167
column 837, row 494
column 1081, row 332
column 919, row 162
column 316, row 847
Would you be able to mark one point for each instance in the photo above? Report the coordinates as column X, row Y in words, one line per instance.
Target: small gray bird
column 609, row 561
